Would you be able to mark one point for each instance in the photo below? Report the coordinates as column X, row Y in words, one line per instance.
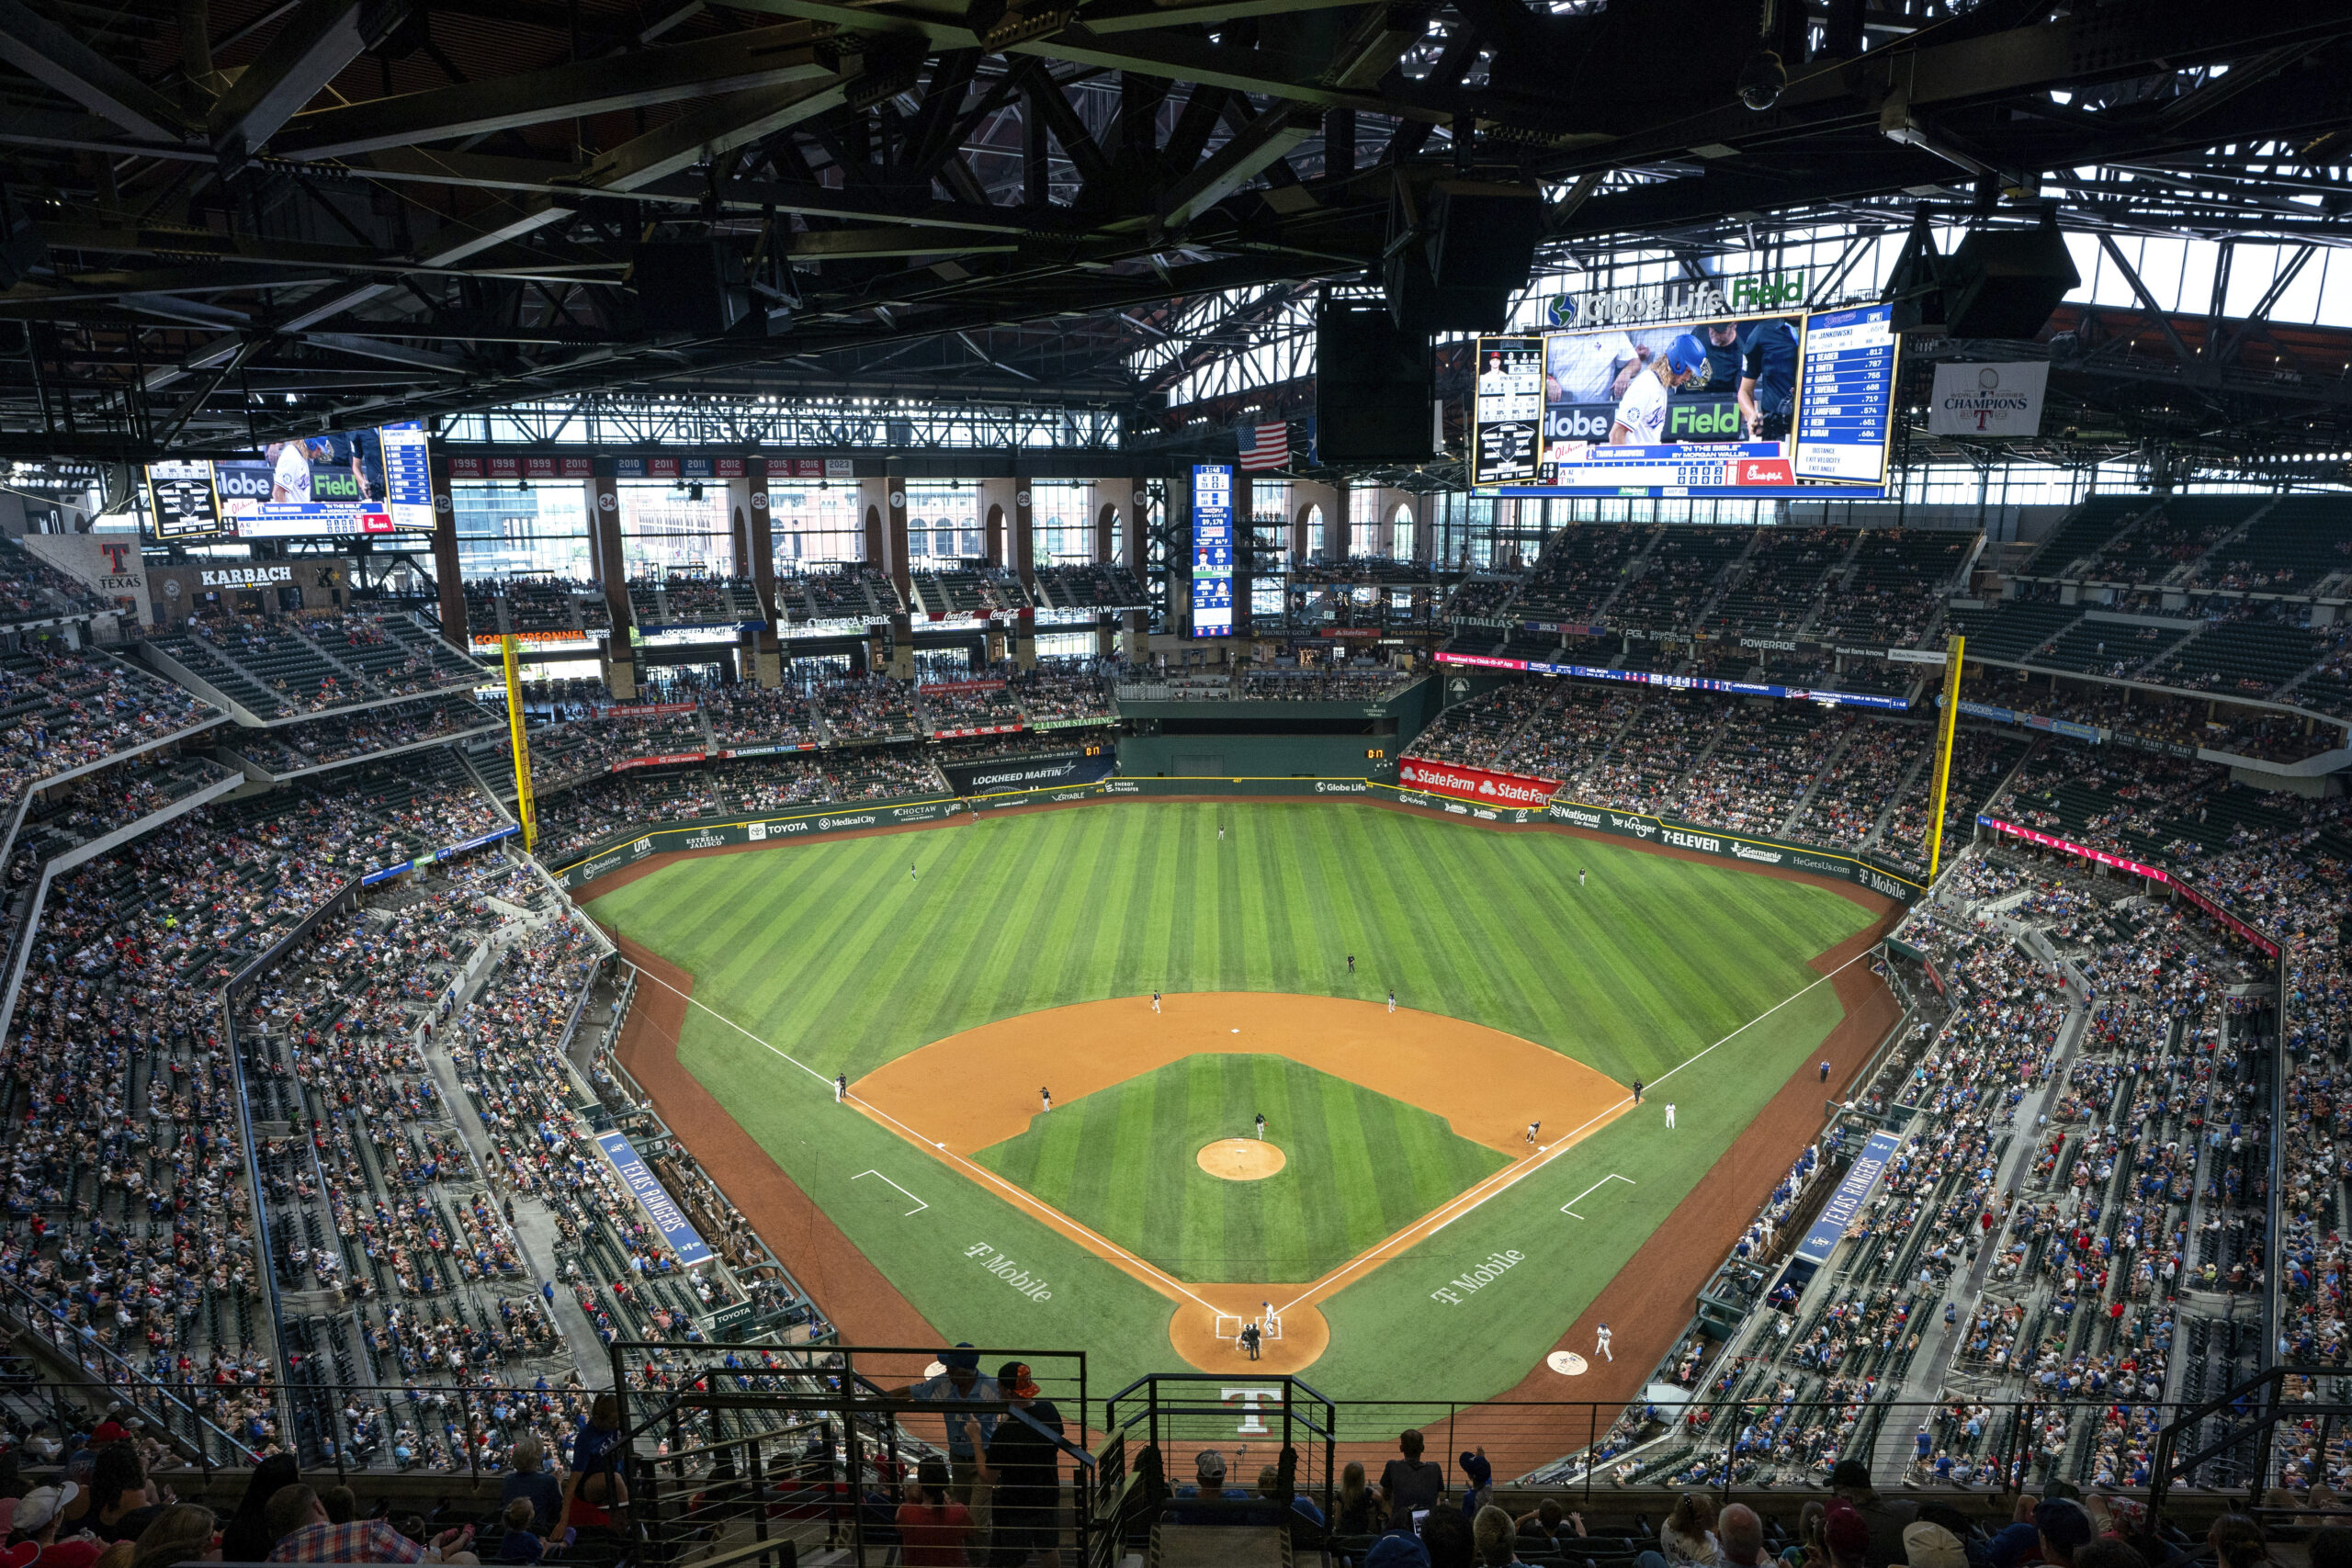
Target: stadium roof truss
column 1087, row 221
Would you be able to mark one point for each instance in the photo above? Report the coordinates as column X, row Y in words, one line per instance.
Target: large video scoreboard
column 1752, row 406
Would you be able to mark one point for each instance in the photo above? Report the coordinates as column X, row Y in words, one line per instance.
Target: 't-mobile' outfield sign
column 1853, row 1190
column 677, row 1233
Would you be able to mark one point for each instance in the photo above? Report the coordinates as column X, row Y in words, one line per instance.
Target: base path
column 960, row 1095
column 972, row 1090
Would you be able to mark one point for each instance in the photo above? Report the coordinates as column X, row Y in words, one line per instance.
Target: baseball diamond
column 1026, row 952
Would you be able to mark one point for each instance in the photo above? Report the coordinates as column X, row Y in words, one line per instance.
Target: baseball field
column 1410, row 1231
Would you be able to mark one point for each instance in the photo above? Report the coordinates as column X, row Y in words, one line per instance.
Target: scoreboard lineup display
column 1732, row 405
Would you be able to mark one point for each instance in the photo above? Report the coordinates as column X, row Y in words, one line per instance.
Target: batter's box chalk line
column 1228, row 1326
column 1569, row 1208
column 919, row 1205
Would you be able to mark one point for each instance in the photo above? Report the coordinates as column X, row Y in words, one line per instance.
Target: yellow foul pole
column 1945, row 729
column 526, row 810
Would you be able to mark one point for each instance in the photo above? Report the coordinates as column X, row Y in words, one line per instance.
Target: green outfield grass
column 1124, row 1161
column 828, row 955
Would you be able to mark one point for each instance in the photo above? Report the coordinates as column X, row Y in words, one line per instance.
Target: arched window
column 1311, row 524
column 1401, row 531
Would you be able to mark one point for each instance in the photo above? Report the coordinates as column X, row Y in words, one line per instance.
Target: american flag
column 1265, row 447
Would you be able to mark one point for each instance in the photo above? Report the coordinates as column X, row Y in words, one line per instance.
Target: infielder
column 1048, row 1096
column 1155, row 1001
column 841, row 1088
column 1533, row 1128
column 1601, row 1346
column 1669, row 1114
column 1392, row 998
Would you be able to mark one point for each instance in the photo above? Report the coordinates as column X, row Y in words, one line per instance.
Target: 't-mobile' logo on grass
column 1012, row 1273
column 1478, row 1279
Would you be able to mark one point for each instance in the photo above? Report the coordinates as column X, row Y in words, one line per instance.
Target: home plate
column 1567, row 1363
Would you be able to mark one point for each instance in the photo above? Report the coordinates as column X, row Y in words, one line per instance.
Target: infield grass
column 828, row 953
column 1359, row 1166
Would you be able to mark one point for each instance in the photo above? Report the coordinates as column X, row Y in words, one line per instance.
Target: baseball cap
column 1686, row 353
column 1844, row 1531
column 2064, row 1523
column 24, row 1554
column 1476, row 1467
column 1397, row 1551
column 108, row 1432
column 1013, row 1380
column 1850, row 1472
column 933, row 1472
column 962, row 1355
column 1210, row 1465
column 1932, row 1546
column 37, row 1507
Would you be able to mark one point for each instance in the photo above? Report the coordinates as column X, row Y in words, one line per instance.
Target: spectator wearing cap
column 305, row 1534
column 40, row 1513
column 1851, row 1480
column 1847, row 1535
column 1932, row 1546
column 1023, row 1453
column 1409, row 1484
column 959, row 1382
column 1396, row 1549
column 933, row 1528
column 1208, row 1483
column 1481, row 1476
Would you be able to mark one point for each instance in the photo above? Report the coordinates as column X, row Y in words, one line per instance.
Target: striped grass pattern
column 1124, row 1161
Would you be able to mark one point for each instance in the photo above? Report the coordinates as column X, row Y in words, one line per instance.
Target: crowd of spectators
column 66, row 708
column 339, row 737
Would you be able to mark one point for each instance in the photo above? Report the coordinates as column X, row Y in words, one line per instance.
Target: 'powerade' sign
column 677, row 1234
column 1853, row 1190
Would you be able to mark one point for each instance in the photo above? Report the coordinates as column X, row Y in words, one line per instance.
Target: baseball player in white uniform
column 1641, row 415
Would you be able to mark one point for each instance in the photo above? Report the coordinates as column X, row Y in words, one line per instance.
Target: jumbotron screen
column 1748, row 406
column 346, row 483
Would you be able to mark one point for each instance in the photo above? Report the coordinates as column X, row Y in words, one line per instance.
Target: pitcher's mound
column 1242, row 1159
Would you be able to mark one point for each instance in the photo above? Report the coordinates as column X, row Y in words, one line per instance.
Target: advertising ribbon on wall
column 1475, row 783
column 2156, row 874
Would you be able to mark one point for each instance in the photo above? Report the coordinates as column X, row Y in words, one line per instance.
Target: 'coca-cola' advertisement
column 1474, row 784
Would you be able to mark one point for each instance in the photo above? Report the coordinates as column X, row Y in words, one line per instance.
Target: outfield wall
column 822, row 819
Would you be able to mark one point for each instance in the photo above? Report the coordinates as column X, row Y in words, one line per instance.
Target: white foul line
column 978, row 1172
column 911, row 1214
column 1567, row 1208
column 1503, row 1180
